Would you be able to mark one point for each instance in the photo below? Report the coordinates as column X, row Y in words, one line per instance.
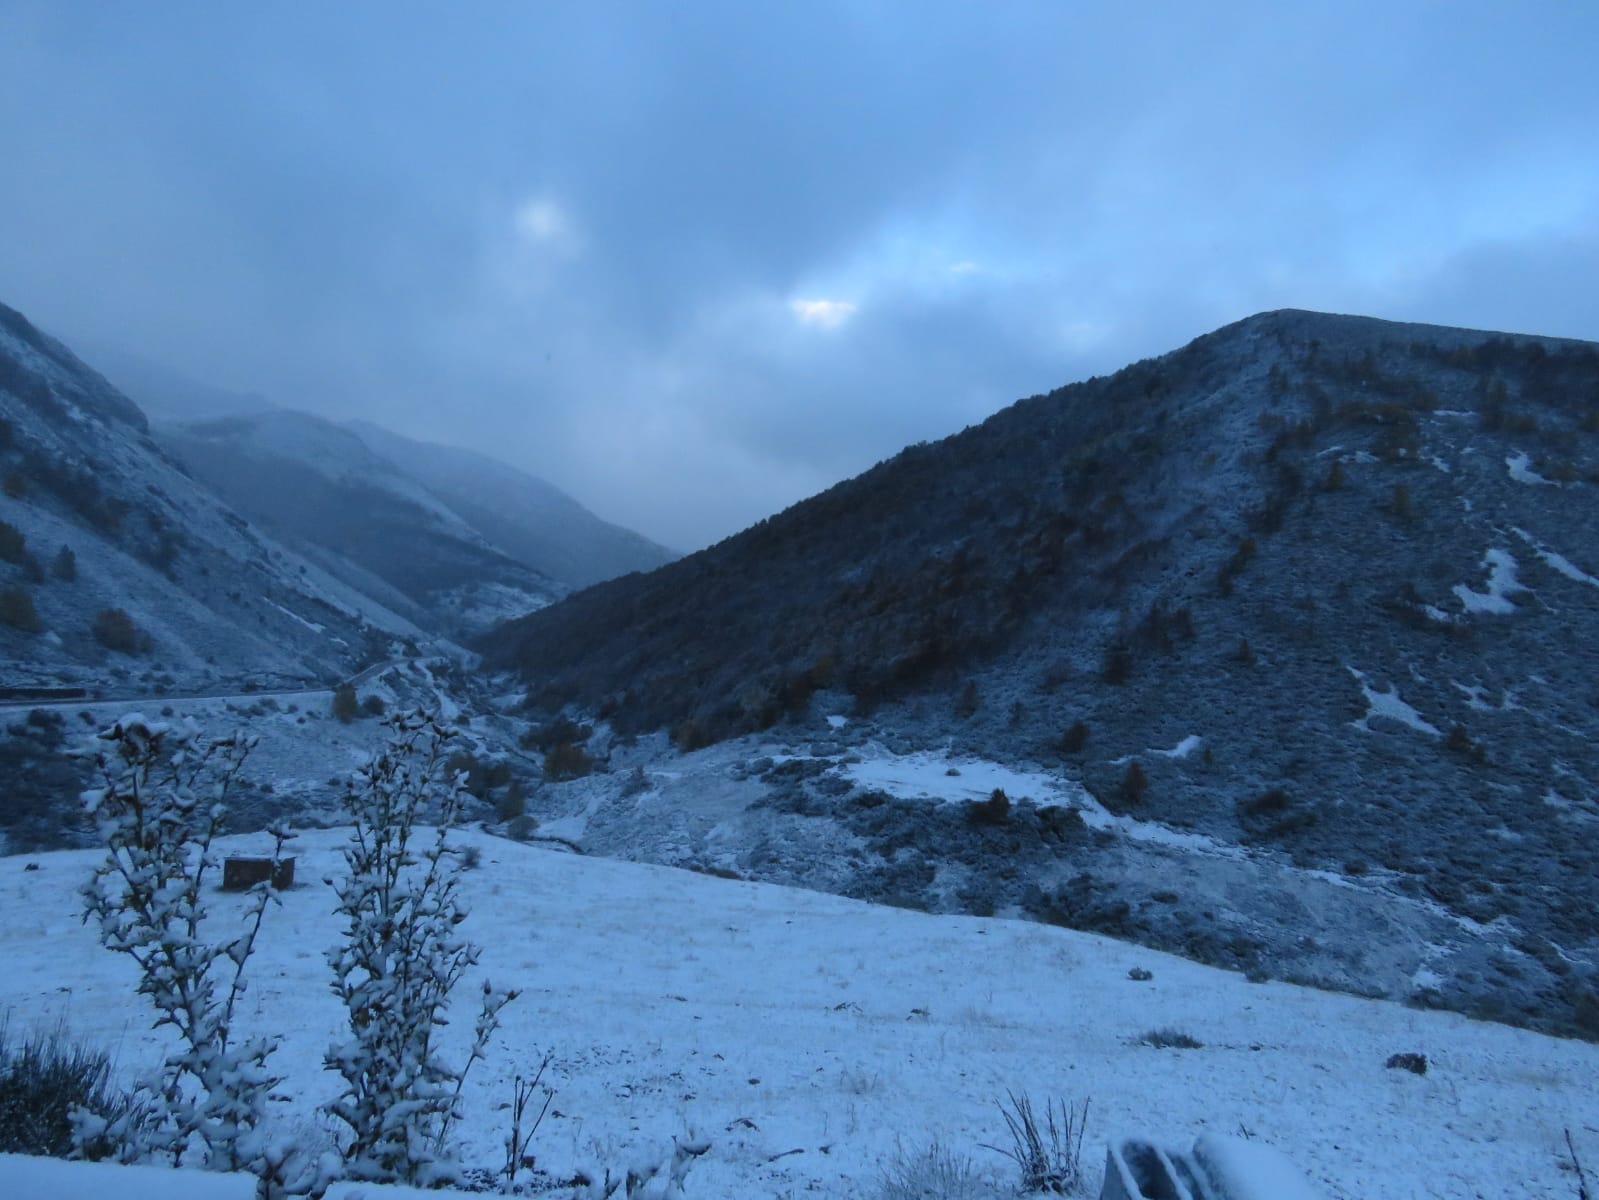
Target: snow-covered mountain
column 320, row 486
column 522, row 514
column 454, row 539
column 98, row 519
column 1315, row 599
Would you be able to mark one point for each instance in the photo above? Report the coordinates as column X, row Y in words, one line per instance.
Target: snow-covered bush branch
column 158, row 809
column 400, row 958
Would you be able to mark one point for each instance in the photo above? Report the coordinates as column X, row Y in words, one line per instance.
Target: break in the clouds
column 695, row 262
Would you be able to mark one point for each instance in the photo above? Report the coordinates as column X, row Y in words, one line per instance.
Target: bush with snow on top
column 400, row 959
column 158, row 810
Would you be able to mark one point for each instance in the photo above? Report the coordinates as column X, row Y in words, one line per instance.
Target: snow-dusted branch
column 400, row 958
column 158, row 809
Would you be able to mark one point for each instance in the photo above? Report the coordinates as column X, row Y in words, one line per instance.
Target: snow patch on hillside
column 1558, row 562
column 1520, row 467
column 940, row 776
column 1476, row 697
column 294, row 616
column 1389, row 705
column 1502, row 583
column 937, row 775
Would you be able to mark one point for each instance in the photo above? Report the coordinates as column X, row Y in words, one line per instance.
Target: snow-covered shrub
column 513, row 803
column 522, row 1131
column 1584, row 1192
column 13, row 543
column 43, row 1081
column 345, row 707
column 934, row 1173
column 400, row 958
column 1168, row 1038
column 158, row 809
column 1049, row 1156
column 993, row 811
column 1416, row 1064
column 64, row 566
column 565, row 761
column 651, row 1177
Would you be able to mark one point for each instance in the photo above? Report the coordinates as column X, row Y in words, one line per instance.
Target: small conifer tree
column 345, row 704
column 1134, row 783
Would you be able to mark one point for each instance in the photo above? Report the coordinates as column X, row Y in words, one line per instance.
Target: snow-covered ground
column 944, row 776
column 812, row 1038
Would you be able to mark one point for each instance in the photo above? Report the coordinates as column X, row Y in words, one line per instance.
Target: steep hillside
column 1107, row 505
column 530, row 519
column 1323, row 588
column 120, row 573
column 324, row 488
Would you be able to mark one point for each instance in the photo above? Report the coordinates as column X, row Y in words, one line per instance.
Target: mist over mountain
column 320, row 485
column 165, row 394
column 98, row 519
column 527, row 517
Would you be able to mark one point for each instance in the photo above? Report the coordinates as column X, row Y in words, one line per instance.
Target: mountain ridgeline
column 1112, row 511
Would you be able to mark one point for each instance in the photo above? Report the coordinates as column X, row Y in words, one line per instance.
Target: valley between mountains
column 1277, row 653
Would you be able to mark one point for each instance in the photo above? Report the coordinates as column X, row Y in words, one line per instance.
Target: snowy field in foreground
column 811, row 1037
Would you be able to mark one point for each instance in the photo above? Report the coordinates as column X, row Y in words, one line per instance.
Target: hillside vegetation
column 1324, row 588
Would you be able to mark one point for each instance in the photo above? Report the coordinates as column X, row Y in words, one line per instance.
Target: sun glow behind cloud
column 543, row 222
column 824, row 314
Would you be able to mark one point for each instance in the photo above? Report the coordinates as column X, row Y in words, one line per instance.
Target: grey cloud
column 320, row 203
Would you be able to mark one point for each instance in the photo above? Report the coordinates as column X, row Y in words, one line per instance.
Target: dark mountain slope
column 1324, row 587
column 323, row 487
column 1069, row 506
column 34, row 360
column 96, row 518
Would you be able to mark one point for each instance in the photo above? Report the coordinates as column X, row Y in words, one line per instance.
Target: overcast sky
column 693, row 262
